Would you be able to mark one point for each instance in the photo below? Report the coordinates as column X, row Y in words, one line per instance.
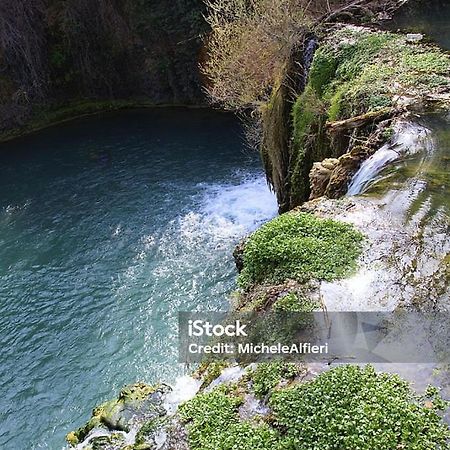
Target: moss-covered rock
column 134, row 401
column 359, row 78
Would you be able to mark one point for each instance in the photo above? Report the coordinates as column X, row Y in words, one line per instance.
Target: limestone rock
column 414, row 37
column 332, row 176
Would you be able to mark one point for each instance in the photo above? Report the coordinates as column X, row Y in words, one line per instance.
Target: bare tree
column 248, row 47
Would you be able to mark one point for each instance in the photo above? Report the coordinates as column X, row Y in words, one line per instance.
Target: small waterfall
column 371, row 168
column 409, row 138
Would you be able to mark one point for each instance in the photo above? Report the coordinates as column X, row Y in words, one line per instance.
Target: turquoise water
column 108, row 227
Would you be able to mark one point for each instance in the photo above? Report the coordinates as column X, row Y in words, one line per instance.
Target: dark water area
column 431, row 18
column 108, row 227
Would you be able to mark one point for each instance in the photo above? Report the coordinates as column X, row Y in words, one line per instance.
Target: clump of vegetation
column 348, row 407
column 214, row 424
column 267, row 376
column 292, row 302
column 353, row 407
column 371, row 68
column 300, row 246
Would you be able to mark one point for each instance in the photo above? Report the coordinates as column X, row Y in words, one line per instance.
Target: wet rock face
column 331, row 177
column 135, row 404
column 238, row 255
column 141, row 418
column 404, row 262
column 134, row 401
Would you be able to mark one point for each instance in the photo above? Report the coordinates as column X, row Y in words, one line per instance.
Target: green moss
column 336, row 104
column 116, row 414
column 308, row 119
column 356, row 408
column 210, row 370
column 375, row 66
column 300, row 246
column 353, row 72
column 214, row 424
column 323, row 70
column 267, row 376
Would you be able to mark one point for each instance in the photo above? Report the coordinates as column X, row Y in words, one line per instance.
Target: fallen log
column 362, row 120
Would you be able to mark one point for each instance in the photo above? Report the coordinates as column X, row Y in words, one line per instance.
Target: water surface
column 431, row 17
column 108, row 227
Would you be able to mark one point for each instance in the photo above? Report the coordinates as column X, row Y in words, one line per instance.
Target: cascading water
column 408, row 139
column 404, row 212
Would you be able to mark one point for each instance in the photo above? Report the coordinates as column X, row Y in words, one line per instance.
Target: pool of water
column 108, row 227
column 431, row 17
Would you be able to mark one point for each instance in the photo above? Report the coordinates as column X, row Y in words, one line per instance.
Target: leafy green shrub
column 347, row 408
column 267, row 376
column 356, row 408
column 214, row 424
column 300, row 246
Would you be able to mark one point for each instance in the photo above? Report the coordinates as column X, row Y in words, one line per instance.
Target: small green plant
column 349, row 407
column 267, row 376
column 300, row 246
column 213, row 424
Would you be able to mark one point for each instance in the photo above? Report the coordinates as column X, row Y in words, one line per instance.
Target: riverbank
column 55, row 53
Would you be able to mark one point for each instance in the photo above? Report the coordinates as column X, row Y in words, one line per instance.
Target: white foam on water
column 11, row 209
column 409, row 139
column 95, row 433
column 230, row 211
column 185, row 389
column 160, row 439
column 228, row 375
column 361, row 292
